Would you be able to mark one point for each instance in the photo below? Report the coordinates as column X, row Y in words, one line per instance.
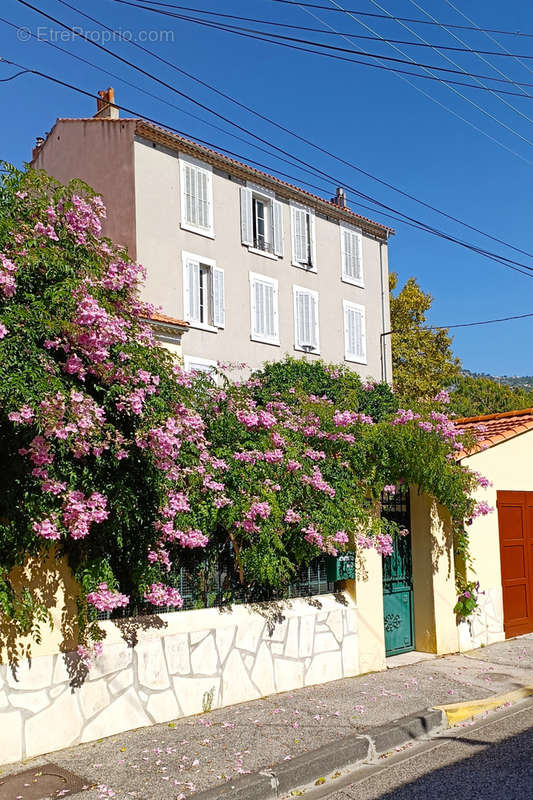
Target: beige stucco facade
column 136, row 169
column 161, row 241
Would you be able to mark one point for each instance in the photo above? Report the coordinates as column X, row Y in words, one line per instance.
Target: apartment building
column 258, row 268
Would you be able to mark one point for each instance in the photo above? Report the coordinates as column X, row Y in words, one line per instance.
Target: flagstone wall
column 155, row 669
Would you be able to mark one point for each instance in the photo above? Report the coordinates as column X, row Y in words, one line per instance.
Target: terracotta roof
column 165, row 320
column 496, row 428
column 156, row 133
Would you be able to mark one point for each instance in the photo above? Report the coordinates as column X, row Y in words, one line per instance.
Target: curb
column 457, row 712
column 346, row 752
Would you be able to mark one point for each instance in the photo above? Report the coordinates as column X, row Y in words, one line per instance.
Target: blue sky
column 369, row 117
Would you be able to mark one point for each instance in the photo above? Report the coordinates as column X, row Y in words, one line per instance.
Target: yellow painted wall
column 368, row 592
column 50, row 580
column 509, row 466
column 434, row 593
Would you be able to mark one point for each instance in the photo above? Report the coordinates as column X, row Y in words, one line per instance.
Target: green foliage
column 126, row 465
column 467, row 600
column 471, row 396
column 422, row 358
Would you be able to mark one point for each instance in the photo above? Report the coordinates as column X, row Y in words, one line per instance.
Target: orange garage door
column 515, row 519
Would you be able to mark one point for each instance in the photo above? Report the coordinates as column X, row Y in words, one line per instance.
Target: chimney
column 39, row 141
column 340, row 198
column 104, row 105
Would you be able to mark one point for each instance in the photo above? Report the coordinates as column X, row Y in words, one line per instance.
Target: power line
column 465, row 324
column 482, row 58
column 289, row 41
column 452, row 87
column 407, row 219
column 398, row 19
column 292, row 133
column 428, row 229
column 277, row 24
column 419, row 89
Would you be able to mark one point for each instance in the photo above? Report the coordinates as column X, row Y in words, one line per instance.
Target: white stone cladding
column 181, row 664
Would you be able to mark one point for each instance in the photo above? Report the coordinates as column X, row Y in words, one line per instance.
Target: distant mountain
column 515, row 381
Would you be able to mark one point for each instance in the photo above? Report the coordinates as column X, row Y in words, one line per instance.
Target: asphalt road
column 492, row 760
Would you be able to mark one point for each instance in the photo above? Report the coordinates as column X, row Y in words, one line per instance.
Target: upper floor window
column 196, row 196
column 264, row 309
column 303, row 237
column 354, row 332
column 261, row 221
column 203, row 284
column 306, row 336
column 352, row 255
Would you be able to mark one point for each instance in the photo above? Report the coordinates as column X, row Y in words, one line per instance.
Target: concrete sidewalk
column 177, row 759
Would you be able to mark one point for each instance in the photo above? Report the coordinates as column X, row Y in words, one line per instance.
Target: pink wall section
column 99, row 152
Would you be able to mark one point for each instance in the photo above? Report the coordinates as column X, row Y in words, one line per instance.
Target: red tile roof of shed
column 496, row 428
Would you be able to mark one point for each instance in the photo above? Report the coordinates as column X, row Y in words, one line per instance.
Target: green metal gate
column 398, row 579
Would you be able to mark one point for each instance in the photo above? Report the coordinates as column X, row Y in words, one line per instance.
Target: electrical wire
column 279, row 39
column 337, row 181
column 397, row 19
column 452, row 87
column 527, row 270
column 482, row 58
column 310, row 29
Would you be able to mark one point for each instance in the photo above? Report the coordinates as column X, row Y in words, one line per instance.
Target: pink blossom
column 3, row 331
column 106, row 600
column 291, row 516
column 47, row 529
column 160, row 595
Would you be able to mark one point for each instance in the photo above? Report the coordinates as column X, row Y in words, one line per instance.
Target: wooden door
column 515, row 519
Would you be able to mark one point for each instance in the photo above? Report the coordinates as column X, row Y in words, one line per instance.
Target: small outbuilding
column 501, row 543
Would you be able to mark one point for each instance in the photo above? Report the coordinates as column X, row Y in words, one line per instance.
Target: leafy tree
column 474, row 395
column 422, row 358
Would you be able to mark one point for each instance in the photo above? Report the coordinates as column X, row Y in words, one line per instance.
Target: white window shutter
column 299, row 236
column 306, row 315
column 219, row 313
column 247, row 230
column 355, row 334
column 312, row 234
column 202, row 199
column 264, row 301
column 352, row 255
column 192, row 290
column 277, row 219
column 189, row 193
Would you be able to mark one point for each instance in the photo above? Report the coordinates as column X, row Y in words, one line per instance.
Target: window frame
column 351, row 357
column 258, row 337
column 360, row 282
column 268, row 198
column 207, row 169
column 206, row 362
column 211, row 264
column 313, row 293
column 311, row 233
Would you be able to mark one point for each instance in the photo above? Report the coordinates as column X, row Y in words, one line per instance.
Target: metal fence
column 214, row 583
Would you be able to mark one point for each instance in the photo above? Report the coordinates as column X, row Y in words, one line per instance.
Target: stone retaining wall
column 155, row 669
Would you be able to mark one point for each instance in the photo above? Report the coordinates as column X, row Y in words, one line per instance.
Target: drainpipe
column 382, row 342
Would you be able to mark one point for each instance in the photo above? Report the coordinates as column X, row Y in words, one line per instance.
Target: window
column 203, row 291
column 352, row 255
column 306, row 320
column 197, row 364
column 261, row 221
column 264, row 308
column 196, row 196
column 303, row 237
column 354, row 332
